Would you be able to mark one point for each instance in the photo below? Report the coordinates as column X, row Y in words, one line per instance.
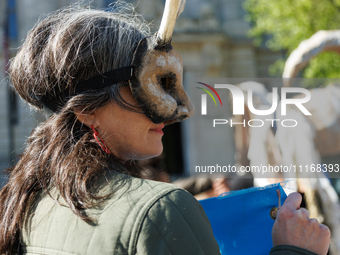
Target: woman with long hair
column 110, row 88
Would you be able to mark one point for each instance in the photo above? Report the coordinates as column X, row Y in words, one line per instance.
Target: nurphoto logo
column 238, row 103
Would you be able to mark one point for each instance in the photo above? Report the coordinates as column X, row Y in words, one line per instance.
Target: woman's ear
column 87, row 119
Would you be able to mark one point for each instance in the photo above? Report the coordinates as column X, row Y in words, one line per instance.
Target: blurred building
column 210, row 35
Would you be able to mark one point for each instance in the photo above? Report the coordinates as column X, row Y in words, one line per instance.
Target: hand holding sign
column 293, row 227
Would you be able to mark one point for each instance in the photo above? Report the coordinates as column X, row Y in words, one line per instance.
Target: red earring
column 100, row 141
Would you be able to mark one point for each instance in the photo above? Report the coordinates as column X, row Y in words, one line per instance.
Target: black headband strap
column 98, row 82
column 106, row 79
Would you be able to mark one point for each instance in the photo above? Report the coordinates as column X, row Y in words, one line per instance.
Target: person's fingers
column 304, row 213
column 278, row 192
column 293, row 201
column 294, row 227
column 325, row 231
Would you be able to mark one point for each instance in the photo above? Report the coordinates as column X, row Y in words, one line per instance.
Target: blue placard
column 241, row 219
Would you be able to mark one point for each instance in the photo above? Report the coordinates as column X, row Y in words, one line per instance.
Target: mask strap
column 95, row 83
column 106, row 79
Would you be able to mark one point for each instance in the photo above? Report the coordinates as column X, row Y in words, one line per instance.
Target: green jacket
column 140, row 217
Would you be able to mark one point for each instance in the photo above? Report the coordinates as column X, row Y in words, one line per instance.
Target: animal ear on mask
column 172, row 10
column 158, row 86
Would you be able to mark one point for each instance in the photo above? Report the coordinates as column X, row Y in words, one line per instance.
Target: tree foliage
column 288, row 22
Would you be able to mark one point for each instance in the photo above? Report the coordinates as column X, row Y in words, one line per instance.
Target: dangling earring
column 100, row 141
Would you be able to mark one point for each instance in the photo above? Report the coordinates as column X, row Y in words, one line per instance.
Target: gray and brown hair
column 72, row 45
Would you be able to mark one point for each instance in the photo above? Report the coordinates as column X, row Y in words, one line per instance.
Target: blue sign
column 241, row 220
